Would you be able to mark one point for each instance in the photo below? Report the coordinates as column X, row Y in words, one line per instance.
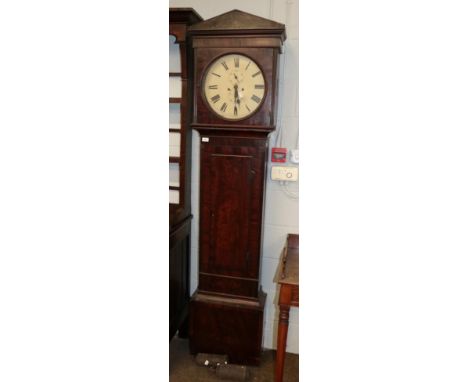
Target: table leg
column 281, row 342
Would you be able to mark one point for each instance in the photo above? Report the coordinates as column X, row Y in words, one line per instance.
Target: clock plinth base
column 227, row 325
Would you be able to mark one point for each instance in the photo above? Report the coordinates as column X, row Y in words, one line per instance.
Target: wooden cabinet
column 180, row 107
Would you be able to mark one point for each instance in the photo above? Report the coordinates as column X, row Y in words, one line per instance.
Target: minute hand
column 236, row 95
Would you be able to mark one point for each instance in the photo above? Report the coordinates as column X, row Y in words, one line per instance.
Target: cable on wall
column 288, row 192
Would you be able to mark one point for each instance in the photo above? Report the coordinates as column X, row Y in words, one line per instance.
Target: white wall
column 282, row 212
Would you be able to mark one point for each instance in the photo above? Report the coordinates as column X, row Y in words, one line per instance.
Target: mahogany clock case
column 227, row 310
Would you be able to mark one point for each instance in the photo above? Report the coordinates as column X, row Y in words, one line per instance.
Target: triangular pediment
column 236, row 21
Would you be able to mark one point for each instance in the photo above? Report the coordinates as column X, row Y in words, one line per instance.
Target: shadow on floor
column 182, row 366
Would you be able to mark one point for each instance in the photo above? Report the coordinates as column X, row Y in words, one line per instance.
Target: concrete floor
column 182, row 366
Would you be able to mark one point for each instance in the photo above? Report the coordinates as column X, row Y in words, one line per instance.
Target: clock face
column 234, row 86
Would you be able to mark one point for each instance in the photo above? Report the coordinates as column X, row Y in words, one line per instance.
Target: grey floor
column 182, row 366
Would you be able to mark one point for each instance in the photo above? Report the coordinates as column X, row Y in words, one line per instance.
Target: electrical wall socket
column 295, row 156
column 289, row 174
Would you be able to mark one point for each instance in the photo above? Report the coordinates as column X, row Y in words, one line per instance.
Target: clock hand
column 236, row 95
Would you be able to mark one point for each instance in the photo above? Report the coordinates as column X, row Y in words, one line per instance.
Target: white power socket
column 290, row 174
column 295, row 156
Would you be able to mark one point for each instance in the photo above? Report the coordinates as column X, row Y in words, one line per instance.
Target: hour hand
column 236, row 95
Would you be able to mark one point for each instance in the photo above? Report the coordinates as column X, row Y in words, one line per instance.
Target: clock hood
column 237, row 22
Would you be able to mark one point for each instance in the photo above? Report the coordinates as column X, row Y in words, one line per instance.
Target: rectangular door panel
column 230, row 210
column 231, row 203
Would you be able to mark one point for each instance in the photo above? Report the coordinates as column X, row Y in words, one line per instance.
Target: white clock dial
column 234, row 86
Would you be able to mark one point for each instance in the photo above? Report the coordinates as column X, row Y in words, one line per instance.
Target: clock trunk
column 231, row 205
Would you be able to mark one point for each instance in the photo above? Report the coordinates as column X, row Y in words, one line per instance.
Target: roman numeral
column 255, row 98
column 213, row 87
column 225, row 65
column 224, row 107
column 236, row 62
column 256, row 74
column 235, row 110
column 214, row 74
column 259, row 86
column 248, row 65
column 215, row 98
column 247, row 108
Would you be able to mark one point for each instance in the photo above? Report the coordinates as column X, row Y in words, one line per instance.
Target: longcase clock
column 235, row 96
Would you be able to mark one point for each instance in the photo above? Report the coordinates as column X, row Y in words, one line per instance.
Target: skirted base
column 227, row 325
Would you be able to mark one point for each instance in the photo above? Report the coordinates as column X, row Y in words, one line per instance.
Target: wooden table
column 287, row 276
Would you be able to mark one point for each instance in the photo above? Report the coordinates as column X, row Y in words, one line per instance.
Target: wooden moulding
column 232, row 286
column 236, row 22
column 248, row 41
column 184, row 15
column 209, row 128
